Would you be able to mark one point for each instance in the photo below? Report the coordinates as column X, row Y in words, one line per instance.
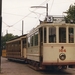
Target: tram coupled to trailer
column 56, row 44
column 49, row 45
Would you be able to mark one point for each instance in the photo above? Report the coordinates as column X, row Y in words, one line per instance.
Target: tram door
column 41, row 43
column 24, row 48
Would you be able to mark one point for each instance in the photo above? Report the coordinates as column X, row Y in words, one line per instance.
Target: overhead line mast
column 0, row 31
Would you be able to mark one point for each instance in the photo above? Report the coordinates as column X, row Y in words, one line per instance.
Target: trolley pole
column 47, row 9
column 42, row 7
column 0, row 31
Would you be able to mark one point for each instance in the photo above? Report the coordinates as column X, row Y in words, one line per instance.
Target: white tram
column 52, row 45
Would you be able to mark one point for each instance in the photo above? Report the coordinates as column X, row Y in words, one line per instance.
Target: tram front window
column 52, row 35
column 62, row 35
column 44, row 35
column 71, row 35
column 28, row 41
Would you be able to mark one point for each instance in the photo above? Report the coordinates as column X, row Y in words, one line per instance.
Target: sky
column 16, row 11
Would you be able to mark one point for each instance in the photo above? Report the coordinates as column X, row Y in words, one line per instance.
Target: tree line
column 6, row 38
column 70, row 18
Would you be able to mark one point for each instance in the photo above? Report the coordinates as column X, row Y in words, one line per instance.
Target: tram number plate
column 62, row 50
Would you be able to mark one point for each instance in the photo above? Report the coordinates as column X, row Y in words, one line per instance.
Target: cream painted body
column 24, row 52
column 51, row 53
column 33, row 53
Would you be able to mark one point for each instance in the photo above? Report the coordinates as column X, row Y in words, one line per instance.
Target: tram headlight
column 62, row 56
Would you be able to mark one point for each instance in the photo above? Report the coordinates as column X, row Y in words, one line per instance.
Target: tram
column 50, row 45
column 16, row 48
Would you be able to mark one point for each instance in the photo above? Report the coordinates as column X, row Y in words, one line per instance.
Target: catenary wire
column 28, row 14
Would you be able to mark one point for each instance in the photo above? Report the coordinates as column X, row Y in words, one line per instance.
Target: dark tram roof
column 17, row 37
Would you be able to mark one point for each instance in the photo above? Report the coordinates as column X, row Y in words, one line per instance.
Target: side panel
column 51, row 53
column 33, row 53
column 14, row 49
column 24, row 52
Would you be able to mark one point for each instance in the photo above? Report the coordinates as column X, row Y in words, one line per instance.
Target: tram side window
column 41, row 35
column 62, row 35
column 52, row 35
column 44, row 35
column 36, row 39
column 31, row 40
column 19, row 43
column 24, row 43
column 28, row 41
column 71, row 35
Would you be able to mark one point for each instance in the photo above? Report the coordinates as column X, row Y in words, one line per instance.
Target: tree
column 70, row 18
column 5, row 38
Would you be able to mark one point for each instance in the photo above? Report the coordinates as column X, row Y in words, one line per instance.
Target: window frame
column 52, row 35
column 64, row 38
column 70, row 36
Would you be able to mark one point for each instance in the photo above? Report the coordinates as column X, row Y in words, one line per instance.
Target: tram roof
column 54, row 24
column 44, row 24
column 17, row 38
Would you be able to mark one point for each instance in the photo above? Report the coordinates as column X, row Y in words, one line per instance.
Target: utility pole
column 22, row 26
column 0, row 31
column 7, row 35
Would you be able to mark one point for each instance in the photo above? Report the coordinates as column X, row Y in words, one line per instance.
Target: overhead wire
column 29, row 13
column 71, row 1
column 44, row 2
column 12, row 14
column 41, row 13
column 13, row 28
column 51, row 5
column 7, row 24
column 24, row 16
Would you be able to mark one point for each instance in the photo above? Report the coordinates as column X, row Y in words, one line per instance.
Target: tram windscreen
column 45, row 35
column 71, row 35
column 52, row 35
column 62, row 35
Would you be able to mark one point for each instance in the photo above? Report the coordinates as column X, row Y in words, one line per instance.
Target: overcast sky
column 14, row 11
